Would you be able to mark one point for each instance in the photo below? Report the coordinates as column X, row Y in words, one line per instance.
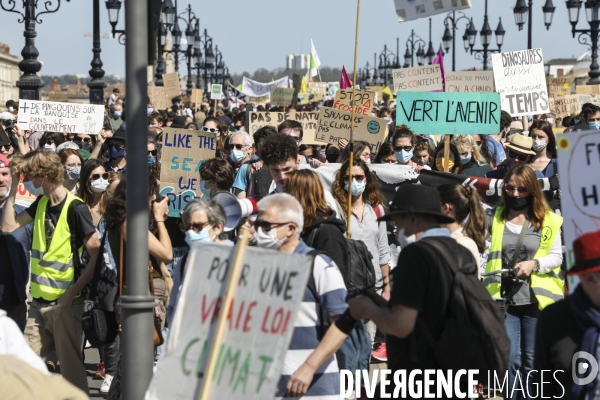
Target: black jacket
column 473, row 168
column 329, row 238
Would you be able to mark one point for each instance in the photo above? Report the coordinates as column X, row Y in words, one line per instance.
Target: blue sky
column 255, row 34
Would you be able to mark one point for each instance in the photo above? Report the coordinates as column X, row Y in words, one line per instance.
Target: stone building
column 9, row 75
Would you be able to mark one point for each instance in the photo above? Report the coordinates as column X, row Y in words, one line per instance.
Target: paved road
column 91, row 359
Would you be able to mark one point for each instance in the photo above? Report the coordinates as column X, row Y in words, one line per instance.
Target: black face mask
column 332, row 158
column 518, row 203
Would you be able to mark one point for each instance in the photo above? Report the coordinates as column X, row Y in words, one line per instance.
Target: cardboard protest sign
column 565, row 105
column 307, row 119
column 317, row 97
column 578, row 166
column 426, row 78
column 521, row 81
column 332, row 88
column 303, row 98
column 317, row 88
column 216, row 91
column 197, row 96
column 36, row 115
column 470, row 81
column 259, row 101
column 258, row 89
column 378, row 90
column 430, row 113
column 587, row 98
column 334, row 125
column 4, row 140
column 171, row 85
column 258, row 330
column 158, row 97
column 559, row 86
column 363, row 101
column 588, row 89
column 281, row 96
column 183, row 153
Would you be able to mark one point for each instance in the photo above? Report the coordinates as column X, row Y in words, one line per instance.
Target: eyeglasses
column 520, row 189
column 238, row 146
column 358, row 178
column 521, row 157
column 205, row 129
column 152, row 152
column 197, row 227
column 405, row 148
column 98, row 176
column 267, row 226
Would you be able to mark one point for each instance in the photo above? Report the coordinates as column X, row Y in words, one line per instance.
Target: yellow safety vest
column 52, row 270
column 548, row 288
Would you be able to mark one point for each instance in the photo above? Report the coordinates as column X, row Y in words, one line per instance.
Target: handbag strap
column 121, row 262
column 524, row 230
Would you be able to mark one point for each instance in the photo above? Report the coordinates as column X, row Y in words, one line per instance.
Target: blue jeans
column 520, row 325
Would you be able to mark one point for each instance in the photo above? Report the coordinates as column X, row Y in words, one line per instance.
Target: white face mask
column 10, row 109
column 269, row 240
column 99, row 185
column 406, row 240
column 50, row 147
column 464, row 159
column 539, row 145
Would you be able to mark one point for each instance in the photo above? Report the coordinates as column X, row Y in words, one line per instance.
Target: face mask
column 237, row 156
column 151, row 161
column 357, row 187
column 117, row 114
column 332, row 158
column 99, row 185
column 32, row 189
column 322, row 153
column 387, row 118
column 204, row 190
column 50, row 147
column 73, row 173
column 594, row 125
column 86, row 146
column 539, row 145
column 268, row 240
column 150, row 110
column 465, row 159
column 115, row 153
column 518, row 203
column 367, row 161
column 439, row 163
column 404, row 156
column 192, row 236
column 10, row 109
column 551, row 120
column 405, row 240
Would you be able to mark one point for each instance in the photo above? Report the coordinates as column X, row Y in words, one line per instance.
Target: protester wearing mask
column 332, row 152
column 473, row 163
column 86, row 142
column 362, row 150
column 537, row 261
column 588, row 111
column 494, row 142
column 572, row 325
column 72, row 161
column 310, row 366
column 519, row 152
column 51, row 140
column 240, row 145
column 386, row 154
column 116, row 153
column 404, row 145
column 544, row 146
column 116, row 116
column 216, row 175
column 10, row 106
column 152, row 153
column 454, row 164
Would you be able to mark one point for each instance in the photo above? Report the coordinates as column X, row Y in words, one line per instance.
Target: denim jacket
column 19, row 247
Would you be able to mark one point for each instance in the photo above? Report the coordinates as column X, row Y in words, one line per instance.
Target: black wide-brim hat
column 417, row 199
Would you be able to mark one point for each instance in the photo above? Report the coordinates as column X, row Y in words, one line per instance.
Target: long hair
column 457, row 168
column 539, row 206
column 84, row 192
column 485, row 151
column 371, row 195
column 116, row 208
column 359, row 148
column 385, row 150
column 306, row 187
column 465, row 143
column 545, row 127
column 466, row 207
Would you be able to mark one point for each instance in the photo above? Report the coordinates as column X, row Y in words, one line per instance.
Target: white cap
column 6, row 115
column 67, row 145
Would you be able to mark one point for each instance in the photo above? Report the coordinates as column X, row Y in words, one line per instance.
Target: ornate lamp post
column 486, row 39
column 167, row 19
column 449, row 38
column 592, row 14
column 411, row 43
column 96, row 84
column 114, row 7
column 524, row 12
column 389, row 61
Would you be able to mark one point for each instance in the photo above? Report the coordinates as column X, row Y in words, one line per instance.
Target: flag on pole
column 344, row 80
column 439, row 59
column 473, row 69
column 303, row 85
column 314, row 61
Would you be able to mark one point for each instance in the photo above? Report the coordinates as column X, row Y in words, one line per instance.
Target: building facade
column 297, row 61
column 9, row 75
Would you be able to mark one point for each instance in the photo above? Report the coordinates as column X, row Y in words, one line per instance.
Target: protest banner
column 197, row 97
column 258, row 328
column 565, row 105
column 521, row 81
column 172, row 85
column 259, row 101
column 36, row 115
column 363, row 103
column 430, row 113
column 417, row 79
column 408, row 10
column 578, row 166
column 587, row 89
column 303, row 98
column 258, row 89
column 216, row 91
column 334, row 125
column 281, row 96
column 158, row 97
column 23, row 194
column 559, row 86
column 4, row 140
column 183, row 153
column 470, row 81
column 307, row 119
column 378, row 90
column 234, row 93
column 317, row 88
column 332, row 88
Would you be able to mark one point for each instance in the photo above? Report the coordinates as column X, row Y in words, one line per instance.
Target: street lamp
column 411, row 43
column 114, row 7
column 486, row 38
column 162, row 41
column 592, row 15
column 524, row 12
column 449, row 38
column 96, row 84
column 389, row 61
column 168, row 13
column 420, row 55
column 548, row 10
column 430, row 51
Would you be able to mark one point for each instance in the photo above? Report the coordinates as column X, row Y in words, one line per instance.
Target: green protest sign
column 434, row 113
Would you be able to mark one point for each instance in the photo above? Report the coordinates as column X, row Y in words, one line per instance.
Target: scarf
column 587, row 317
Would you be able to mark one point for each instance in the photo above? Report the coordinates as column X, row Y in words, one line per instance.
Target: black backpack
column 474, row 335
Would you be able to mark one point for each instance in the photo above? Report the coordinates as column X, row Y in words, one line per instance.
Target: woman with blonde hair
column 473, row 163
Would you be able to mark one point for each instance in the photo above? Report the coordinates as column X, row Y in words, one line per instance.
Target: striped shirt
column 310, row 326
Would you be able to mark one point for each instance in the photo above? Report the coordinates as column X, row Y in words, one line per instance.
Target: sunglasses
column 152, row 152
column 267, row 226
column 197, row 227
column 49, row 141
column 6, row 147
column 358, row 178
column 405, row 148
column 521, row 157
column 213, row 130
column 236, row 146
column 98, row 176
column 118, row 146
column 85, row 140
column 520, row 189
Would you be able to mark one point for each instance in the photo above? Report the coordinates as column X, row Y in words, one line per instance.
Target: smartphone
column 160, row 197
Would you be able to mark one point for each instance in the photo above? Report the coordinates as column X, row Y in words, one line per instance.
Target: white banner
column 35, row 115
column 258, row 89
column 407, row 10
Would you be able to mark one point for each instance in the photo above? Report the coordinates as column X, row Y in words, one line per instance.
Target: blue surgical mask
column 192, row 236
column 151, row 161
column 204, row 190
column 594, row 125
column 32, row 189
column 357, row 187
column 118, row 114
column 237, row 156
column 115, row 153
column 404, row 156
column 577, row 121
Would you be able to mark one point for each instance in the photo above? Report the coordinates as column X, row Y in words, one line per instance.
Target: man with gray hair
column 240, row 145
column 310, row 367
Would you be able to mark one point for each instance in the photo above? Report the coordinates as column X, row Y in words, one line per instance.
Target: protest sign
column 183, row 153
column 281, row 96
column 578, row 166
column 559, row 86
column 363, row 103
column 258, row 89
column 35, row 115
column 303, row 98
column 417, row 79
column 521, row 81
column 378, row 90
column 259, row 101
column 430, row 113
column 587, row 98
column 4, row 140
column 587, row 89
column 171, row 85
column 332, row 88
column 565, row 105
column 407, row 10
column 197, row 97
column 307, row 119
column 258, row 329
column 317, row 88
column 158, row 97
column 216, row 91
column 234, row 93
column 317, row 97
column 23, row 194
column 334, row 125
column 470, row 81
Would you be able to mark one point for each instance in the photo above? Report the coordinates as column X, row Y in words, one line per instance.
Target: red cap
column 587, row 253
column 4, row 162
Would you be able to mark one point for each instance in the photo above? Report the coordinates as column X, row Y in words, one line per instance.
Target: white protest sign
column 427, row 78
column 521, row 81
column 216, row 91
column 258, row 89
column 470, row 81
column 36, row 115
column 259, row 324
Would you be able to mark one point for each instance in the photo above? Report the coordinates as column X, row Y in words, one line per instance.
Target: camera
column 8, row 123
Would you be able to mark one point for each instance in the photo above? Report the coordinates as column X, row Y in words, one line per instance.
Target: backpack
column 474, row 335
